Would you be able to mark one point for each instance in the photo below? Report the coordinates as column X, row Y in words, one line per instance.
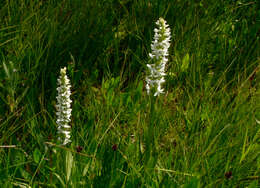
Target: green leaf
column 185, row 63
column 25, row 174
column 258, row 162
column 60, row 179
column 6, row 71
column 36, row 155
column 194, row 182
column 140, row 87
column 69, row 164
column 253, row 184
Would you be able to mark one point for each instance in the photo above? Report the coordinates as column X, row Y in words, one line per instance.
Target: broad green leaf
column 185, row 63
column 36, row 155
column 69, row 164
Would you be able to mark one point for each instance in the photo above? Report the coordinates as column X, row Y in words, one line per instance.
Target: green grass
column 202, row 133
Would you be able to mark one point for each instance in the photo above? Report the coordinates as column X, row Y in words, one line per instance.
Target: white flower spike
column 63, row 106
column 159, row 54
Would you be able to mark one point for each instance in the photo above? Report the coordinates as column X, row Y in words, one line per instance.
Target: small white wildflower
column 159, row 54
column 63, row 106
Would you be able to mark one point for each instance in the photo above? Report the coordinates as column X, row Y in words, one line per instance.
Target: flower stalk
column 158, row 57
column 63, row 107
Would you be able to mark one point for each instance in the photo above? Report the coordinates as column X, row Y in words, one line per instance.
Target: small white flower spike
column 159, row 54
column 63, row 106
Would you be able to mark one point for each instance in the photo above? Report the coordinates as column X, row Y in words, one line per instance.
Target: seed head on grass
column 63, row 106
column 159, row 54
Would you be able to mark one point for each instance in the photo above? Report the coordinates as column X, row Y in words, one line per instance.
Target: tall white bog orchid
column 159, row 46
column 63, row 106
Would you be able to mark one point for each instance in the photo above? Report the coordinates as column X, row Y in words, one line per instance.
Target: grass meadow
column 203, row 132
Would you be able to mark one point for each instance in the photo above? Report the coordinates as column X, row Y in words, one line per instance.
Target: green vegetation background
column 204, row 132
